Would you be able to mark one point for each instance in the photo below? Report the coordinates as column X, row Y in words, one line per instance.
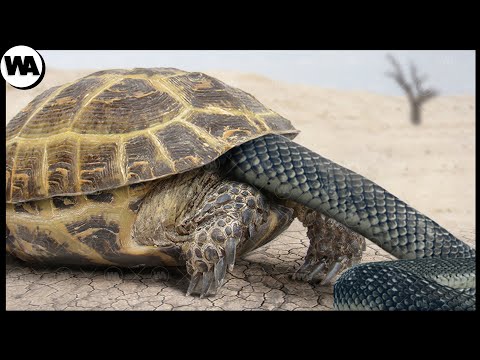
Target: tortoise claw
column 207, row 282
column 341, row 263
column 210, row 281
column 207, row 264
column 320, row 271
column 220, row 271
column 230, row 252
column 332, row 273
column 315, row 271
column 193, row 283
column 303, row 271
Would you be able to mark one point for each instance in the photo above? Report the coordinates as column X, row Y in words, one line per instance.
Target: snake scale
column 436, row 270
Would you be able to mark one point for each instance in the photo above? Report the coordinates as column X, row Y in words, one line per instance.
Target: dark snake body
column 442, row 274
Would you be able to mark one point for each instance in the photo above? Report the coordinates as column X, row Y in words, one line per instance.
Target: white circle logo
column 22, row 67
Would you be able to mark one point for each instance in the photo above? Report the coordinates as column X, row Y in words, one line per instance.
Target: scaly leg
column 233, row 219
column 333, row 247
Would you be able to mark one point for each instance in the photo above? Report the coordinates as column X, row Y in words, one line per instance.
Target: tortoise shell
column 119, row 127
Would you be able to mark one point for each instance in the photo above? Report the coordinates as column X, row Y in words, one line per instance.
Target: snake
column 435, row 270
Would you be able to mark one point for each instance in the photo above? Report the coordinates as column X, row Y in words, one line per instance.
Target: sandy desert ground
column 431, row 167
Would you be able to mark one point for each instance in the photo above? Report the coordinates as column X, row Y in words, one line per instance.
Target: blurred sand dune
column 431, row 167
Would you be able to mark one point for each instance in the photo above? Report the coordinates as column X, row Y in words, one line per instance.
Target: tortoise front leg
column 333, row 247
column 234, row 218
column 212, row 249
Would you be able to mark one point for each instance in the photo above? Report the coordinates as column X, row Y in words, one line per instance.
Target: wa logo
column 22, row 67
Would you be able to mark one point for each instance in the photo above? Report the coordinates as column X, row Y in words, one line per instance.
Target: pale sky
column 452, row 72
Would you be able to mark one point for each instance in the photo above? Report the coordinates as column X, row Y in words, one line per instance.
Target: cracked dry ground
column 260, row 281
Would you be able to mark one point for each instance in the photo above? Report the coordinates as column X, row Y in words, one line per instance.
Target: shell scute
column 118, row 127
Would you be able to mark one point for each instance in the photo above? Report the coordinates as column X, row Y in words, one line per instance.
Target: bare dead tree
column 416, row 94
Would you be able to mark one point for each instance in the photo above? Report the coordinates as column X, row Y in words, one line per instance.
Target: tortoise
column 160, row 166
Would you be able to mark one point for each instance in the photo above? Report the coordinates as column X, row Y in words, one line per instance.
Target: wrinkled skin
column 213, row 220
